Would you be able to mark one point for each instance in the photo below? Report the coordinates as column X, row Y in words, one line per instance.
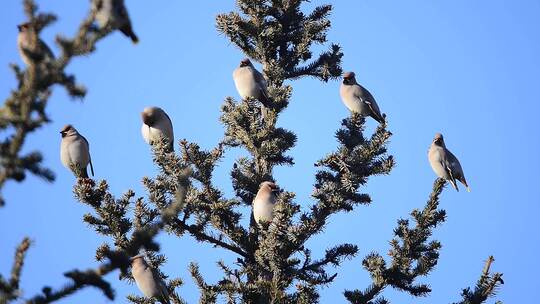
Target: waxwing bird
column 263, row 204
column 148, row 280
column 75, row 152
column 31, row 48
column 156, row 124
column 249, row 82
column 358, row 99
column 445, row 164
column 113, row 13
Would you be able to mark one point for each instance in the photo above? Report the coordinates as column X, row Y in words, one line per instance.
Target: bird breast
column 437, row 162
column 22, row 40
column 152, row 134
column 23, row 43
column 244, row 80
column 145, row 280
column 263, row 206
column 74, row 152
column 349, row 96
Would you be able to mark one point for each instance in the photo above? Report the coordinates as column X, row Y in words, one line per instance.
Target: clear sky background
column 469, row 69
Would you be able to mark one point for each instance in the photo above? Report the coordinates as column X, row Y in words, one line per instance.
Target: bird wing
column 163, row 296
column 172, row 131
column 457, row 169
column 41, row 52
column 46, row 50
column 365, row 96
column 259, row 78
column 89, row 157
column 454, row 163
column 124, row 23
column 120, row 9
column 448, row 160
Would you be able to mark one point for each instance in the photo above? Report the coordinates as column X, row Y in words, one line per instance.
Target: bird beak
column 19, row 27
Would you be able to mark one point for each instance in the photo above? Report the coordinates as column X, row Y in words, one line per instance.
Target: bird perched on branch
column 358, row 99
column 156, row 124
column 75, row 152
column 113, row 13
column 148, row 280
column 445, row 164
column 263, row 204
column 31, row 48
column 249, row 82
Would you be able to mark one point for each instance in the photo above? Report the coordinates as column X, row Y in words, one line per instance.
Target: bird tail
column 379, row 118
column 264, row 98
column 91, row 168
column 164, row 296
column 164, row 300
column 464, row 182
column 128, row 31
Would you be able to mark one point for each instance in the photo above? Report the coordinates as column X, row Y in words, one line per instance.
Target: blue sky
column 468, row 69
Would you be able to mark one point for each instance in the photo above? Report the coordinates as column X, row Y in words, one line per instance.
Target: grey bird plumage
column 263, row 204
column 148, row 280
column 249, row 82
column 445, row 164
column 113, row 13
column 75, row 152
column 31, row 48
column 156, row 123
column 358, row 99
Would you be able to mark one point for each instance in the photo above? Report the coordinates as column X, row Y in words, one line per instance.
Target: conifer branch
column 207, row 203
column 412, row 254
column 485, row 288
column 111, row 220
column 280, row 36
column 345, row 171
column 80, row 280
column 9, row 290
column 200, row 236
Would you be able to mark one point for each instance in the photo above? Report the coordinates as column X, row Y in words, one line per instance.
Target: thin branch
column 199, row 235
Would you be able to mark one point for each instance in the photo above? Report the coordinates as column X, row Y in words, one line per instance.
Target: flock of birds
column 156, row 124
column 250, row 83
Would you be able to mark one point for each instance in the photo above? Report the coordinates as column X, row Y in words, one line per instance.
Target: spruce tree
column 273, row 263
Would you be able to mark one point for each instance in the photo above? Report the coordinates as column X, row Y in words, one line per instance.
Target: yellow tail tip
column 468, row 189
